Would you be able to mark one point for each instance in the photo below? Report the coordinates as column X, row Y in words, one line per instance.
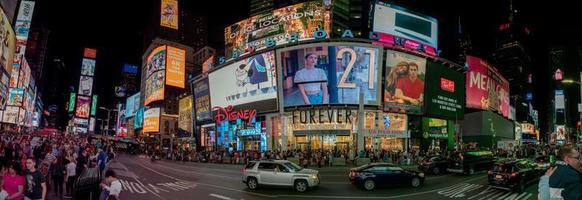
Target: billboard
column 413, row 30
column 9, row 7
column 92, row 124
column 72, row 98
column 151, row 123
column 486, row 88
column 139, row 118
column 129, row 68
column 185, row 114
column 404, row 85
column 8, row 45
column 154, row 88
column 88, row 67
column 176, row 66
column 15, row 96
column 207, row 64
column 156, row 60
column 86, row 85
column 11, row 114
column 169, row 14
column 560, row 132
column 246, row 81
column 14, row 75
column 4, row 81
column 21, row 116
column 35, row 119
column 558, row 99
column 202, row 100
column 277, row 27
column 132, row 105
column 393, row 124
column 24, row 78
column 90, row 53
column 83, row 105
column 330, row 74
column 94, row 105
column 445, row 94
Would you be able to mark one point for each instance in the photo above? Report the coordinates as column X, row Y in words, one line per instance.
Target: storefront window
column 239, row 135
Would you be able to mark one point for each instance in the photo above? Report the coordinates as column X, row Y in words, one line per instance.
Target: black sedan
column 434, row 164
column 514, row 174
column 373, row 175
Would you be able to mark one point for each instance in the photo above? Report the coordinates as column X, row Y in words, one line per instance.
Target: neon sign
column 227, row 114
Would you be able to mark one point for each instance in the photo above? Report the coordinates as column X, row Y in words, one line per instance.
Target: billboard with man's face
column 330, row 74
column 277, row 26
column 404, row 82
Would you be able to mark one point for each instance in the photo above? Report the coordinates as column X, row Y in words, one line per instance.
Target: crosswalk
column 471, row 191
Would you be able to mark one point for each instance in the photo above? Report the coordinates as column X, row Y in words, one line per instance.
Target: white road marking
column 502, row 197
column 221, row 197
column 527, row 197
column 518, row 197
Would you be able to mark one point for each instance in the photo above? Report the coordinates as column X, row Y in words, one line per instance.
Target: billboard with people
column 404, row 82
column 331, row 73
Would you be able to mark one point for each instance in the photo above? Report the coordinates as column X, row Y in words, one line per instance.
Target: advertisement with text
column 404, row 82
column 175, row 71
column 8, row 45
column 88, row 67
column 334, row 74
column 486, row 88
column 83, row 106
column 169, row 14
column 185, row 114
column 445, row 93
column 154, row 87
column 151, row 122
column 202, row 100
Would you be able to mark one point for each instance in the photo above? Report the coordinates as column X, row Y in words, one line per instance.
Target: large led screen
column 486, row 88
column 176, row 66
column 202, row 100
column 132, row 105
column 330, row 74
column 404, row 84
column 11, row 114
column 185, row 114
column 139, row 118
column 396, row 21
column 301, row 20
column 88, row 67
column 151, row 122
column 15, row 96
column 169, row 14
column 83, row 106
column 8, row 45
column 154, row 87
column 156, row 60
column 249, row 80
column 85, row 86
column 445, row 92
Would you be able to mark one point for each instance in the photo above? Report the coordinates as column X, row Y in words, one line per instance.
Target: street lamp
column 108, row 116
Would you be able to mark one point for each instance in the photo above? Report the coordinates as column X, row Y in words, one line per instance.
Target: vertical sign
column 72, row 99
column 169, row 14
column 94, row 105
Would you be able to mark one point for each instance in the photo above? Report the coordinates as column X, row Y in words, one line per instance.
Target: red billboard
column 486, row 88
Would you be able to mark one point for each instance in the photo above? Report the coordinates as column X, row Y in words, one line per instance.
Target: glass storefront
column 240, row 135
column 384, row 143
column 325, row 142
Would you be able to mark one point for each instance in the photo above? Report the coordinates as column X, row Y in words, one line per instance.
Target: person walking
column 35, row 181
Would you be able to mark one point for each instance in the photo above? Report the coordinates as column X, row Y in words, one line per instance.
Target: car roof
column 271, row 161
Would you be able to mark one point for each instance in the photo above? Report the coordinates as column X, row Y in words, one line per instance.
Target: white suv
column 279, row 173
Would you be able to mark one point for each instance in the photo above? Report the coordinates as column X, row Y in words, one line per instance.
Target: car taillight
column 514, row 174
column 353, row 174
column 428, row 162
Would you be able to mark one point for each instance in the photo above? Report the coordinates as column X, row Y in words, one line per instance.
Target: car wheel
column 415, row 182
column 436, row 170
column 252, row 183
column 369, row 184
column 300, row 185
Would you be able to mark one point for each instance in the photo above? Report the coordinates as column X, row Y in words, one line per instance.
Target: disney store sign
column 228, row 114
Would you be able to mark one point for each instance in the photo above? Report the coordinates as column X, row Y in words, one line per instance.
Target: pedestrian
column 58, row 176
column 544, row 185
column 14, row 181
column 3, row 193
column 101, row 160
column 70, row 176
column 565, row 181
column 35, row 181
column 111, row 186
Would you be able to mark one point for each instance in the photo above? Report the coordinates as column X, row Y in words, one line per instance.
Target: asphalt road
column 144, row 179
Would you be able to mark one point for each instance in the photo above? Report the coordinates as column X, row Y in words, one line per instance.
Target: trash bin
column 86, row 187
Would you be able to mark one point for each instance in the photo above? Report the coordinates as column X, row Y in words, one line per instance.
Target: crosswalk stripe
column 522, row 194
column 500, row 193
column 452, row 188
column 461, row 190
column 527, row 197
column 500, row 198
column 492, row 193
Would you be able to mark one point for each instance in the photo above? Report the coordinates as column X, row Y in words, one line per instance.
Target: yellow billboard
column 185, row 114
column 151, row 122
column 8, row 45
column 169, row 14
column 176, row 66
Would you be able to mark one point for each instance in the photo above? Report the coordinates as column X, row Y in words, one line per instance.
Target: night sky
column 114, row 28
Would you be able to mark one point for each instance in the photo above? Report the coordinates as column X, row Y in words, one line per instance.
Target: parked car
column 434, row 164
column 373, row 175
column 279, row 173
column 471, row 161
column 514, row 174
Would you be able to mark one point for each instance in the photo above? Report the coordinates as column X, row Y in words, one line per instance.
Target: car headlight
column 313, row 176
column 421, row 175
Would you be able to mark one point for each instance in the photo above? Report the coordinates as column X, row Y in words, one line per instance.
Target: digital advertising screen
column 85, row 85
column 88, row 67
column 94, row 105
column 185, row 114
column 132, row 105
column 445, row 92
column 207, row 64
column 246, row 81
column 90, row 53
column 330, row 74
column 9, row 7
column 156, row 60
column 301, row 20
column 394, row 124
column 169, row 14
column 139, row 118
column 14, row 76
column 83, row 106
column 72, row 98
column 8, row 38
column 397, row 25
column 486, row 88
column 154, row 87
column 151, row 122
column 202, row 100
column 24, row 78
column 92, row 124
column 15, row 96
column 176, row 66
column 404, row 85
column 21, row 116
column 130, row 68
column 11, row 114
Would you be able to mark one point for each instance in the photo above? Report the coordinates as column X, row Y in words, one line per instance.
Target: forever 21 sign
column 323, row 116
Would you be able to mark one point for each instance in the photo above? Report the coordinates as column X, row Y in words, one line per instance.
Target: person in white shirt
column 312, row 82
column 70, row 176
column 114, row 188
column 3, row 193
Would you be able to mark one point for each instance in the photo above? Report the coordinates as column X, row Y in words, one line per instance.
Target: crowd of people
column 32, row 166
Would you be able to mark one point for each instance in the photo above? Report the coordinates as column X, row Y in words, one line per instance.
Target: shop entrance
column 336, row 140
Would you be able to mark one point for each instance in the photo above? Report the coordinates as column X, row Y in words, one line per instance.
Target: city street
column 144, row 179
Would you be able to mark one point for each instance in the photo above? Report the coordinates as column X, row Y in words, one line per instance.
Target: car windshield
column 293, row 166
column 250, row 165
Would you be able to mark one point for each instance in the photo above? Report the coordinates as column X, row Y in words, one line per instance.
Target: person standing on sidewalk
column 35, row 181
column 111, row 187
column 70, row 177
column 58, row 176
